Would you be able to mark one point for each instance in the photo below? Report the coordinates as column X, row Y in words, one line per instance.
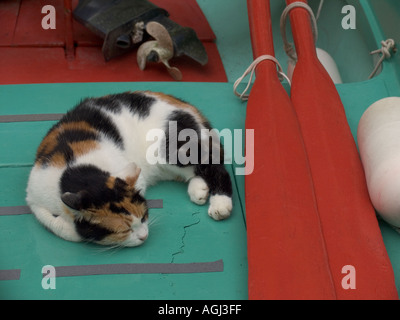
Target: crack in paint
column 181, row 249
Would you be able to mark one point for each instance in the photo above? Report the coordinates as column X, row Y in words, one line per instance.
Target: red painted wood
column 49, row 65
column 29, row 31
column 69, row 37
column 286, row 252
column 30, row 54
column 348, row 220
column 8, row 20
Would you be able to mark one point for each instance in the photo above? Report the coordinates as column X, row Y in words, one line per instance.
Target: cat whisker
column 154, row 221
column 111, row 249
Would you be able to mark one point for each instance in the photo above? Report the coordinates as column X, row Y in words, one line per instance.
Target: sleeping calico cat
column 91, row 170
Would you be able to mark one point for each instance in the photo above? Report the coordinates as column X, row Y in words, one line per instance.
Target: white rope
column 243, row 96
column 289, row 47
column 387, row 46
column 321, row 4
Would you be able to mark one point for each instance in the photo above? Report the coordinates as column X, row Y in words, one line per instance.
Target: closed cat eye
column 117, row 209
column 145, row 217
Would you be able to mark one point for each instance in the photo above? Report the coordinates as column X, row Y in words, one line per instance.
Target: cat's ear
column 76, row 201
column 130, row 174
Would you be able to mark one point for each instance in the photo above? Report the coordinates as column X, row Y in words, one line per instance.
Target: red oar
column 286, row 252
column 348, row 220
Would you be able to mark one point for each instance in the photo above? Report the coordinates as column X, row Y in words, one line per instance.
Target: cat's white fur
column 43, row 190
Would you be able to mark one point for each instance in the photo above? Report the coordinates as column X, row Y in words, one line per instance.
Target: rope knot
column 387, row 46
column 251, row 69
column 289, row 47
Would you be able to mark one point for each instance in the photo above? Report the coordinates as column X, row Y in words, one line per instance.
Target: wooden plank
column 48, row 65
column 9, row 10
column 29, row 31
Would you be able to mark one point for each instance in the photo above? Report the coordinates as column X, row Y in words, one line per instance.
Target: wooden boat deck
column 183, row 233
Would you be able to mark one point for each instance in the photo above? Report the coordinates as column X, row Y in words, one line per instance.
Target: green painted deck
column 182, row 231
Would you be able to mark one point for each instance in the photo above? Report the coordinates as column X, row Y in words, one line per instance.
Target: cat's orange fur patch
column 50, row 143
column 137, row 209
column 177, row 103
column 81, row 147
column 110, row 182
column 119, row 225
column 58, row 160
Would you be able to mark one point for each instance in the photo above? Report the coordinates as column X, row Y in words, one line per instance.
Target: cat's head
column 107, row 209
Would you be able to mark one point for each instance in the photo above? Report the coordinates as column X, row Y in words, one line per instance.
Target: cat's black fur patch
column 76, row 135
column 183, row 120
column 137, row 198
column 90, row 231
column 88, row 111
column 93, row 180
column 116, row 209
column 96, row 119
column 137, row 102
column 63, row 140
column 216, row 177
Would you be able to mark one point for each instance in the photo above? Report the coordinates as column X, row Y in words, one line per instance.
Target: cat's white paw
column 65, row 229
column 198, row 190
column 220, row 207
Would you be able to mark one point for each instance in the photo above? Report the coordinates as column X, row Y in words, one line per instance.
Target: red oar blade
column 348, row 220
column 286, row 252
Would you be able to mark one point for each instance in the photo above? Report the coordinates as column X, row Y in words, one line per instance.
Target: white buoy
column 328, row 63
column 379, row 144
